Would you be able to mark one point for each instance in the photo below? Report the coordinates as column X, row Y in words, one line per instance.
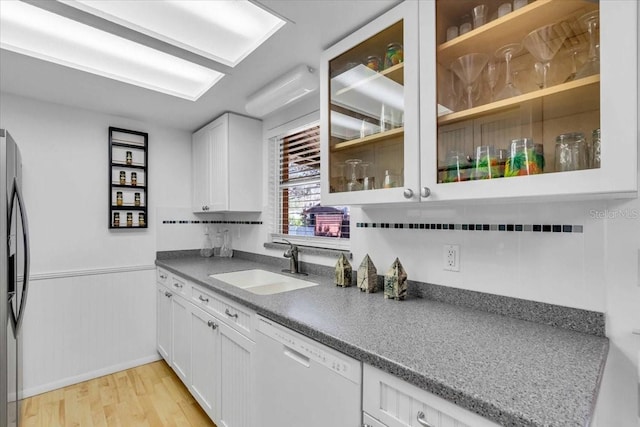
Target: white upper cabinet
column 227, row 165
column 538, row 102
column 491, row 126
column 369, row 112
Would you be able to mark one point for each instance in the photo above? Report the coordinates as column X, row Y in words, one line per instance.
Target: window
column 299, row 215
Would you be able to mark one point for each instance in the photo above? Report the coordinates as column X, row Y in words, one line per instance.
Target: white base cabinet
column 206, row 342
column 396, row 403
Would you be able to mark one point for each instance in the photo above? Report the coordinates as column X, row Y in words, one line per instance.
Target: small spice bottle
column 136, row 200
column 129, row 219
column 129, row 157
column 123, row 177
column 141, row 219
column 119, row 198
column 116, row 219
column 134, row 179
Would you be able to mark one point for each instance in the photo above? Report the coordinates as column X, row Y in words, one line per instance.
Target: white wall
column 92, row 302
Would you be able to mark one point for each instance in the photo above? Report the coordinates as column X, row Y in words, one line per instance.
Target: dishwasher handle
column 296, row 356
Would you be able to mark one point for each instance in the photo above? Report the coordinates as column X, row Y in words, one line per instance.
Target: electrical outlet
column 451, row 257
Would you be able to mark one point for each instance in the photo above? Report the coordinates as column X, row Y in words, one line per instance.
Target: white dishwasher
column 301, row 382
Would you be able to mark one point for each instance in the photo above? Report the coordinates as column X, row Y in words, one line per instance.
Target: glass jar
column 123, row 177
column 486, row 163
column 136, row 199
column 595, row 149
column 374, row 63
column 571, row 152
column 116, row 219
column 129, row 157
column 129, row 219
column 134, row 179
column 141, row 219
column 524, row 158
column 394, row 55
column 119, row 198
column 457, row 167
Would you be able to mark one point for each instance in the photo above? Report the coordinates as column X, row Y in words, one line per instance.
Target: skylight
column 35, row 32
column 225, row 31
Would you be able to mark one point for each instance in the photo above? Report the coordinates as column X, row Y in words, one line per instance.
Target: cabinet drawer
column 369, row 421
column 179, row 285
column 238, row 317
column 162, row 276
column 399, row 404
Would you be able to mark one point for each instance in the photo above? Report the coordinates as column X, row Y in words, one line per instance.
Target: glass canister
column 374, row 62
column 571, row 152
column 457, row 167
column 524, row 158
column 393, row 55
column 595, row 149
column 486, row 163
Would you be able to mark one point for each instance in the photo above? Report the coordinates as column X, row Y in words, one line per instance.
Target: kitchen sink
column 261, row 282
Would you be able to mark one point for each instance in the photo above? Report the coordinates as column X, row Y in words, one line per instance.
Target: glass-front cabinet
column 528, row 98
column 369, row 112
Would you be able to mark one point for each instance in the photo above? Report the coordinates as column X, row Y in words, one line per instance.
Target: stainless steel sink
column 261, row 282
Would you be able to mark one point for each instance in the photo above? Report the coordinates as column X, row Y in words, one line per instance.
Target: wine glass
column 543, row 44
column 368, row 182
column 492, row 77
column 507, row 51
column 592, row 66
column 573, row 53
column 468, row 67
column 353, row 184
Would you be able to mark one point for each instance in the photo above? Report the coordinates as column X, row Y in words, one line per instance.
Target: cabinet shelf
column 124, row 144
column 393, row 133
column 512, row 27
column 129, row 186
column 124, row 165
column 129, row 208
column 395, row 73
column 561, row 97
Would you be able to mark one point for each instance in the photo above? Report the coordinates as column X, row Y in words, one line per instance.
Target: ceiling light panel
column 35, row 32
column 225, row 31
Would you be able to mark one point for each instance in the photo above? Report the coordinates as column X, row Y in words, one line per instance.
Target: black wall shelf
column 128, row 155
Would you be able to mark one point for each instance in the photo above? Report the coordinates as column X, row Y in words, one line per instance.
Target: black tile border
column 518, row 228
column 188, row 221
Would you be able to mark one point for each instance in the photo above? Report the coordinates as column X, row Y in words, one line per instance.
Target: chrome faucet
column 292, row 254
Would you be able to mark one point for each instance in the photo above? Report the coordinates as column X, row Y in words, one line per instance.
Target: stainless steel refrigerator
column 14, row 279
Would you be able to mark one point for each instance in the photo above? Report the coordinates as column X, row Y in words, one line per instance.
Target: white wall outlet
column 451, row 257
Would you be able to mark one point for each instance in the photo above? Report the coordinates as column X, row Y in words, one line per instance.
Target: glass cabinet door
column 518, row 88
column 370, row 115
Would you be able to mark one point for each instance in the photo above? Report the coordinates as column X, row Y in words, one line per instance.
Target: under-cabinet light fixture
column 284, row 90
column 32, row 31
column 225, row 31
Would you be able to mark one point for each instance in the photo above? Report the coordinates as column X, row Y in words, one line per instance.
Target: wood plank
column 393, row 133
column 149, row 395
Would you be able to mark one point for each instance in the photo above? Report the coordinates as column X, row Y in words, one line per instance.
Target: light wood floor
column 149, row 395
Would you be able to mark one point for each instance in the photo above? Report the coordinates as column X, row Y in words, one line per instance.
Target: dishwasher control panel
column 311, row 350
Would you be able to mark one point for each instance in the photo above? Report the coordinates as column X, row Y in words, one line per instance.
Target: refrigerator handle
column 17, row 195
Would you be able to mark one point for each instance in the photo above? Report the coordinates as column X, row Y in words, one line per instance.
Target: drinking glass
column 573, row 53
column 543, row 44
column 457, row 167
column 468, row 67
column 492, row 77
column 486, row 163
column 571, row 152
column 524, row 158
column 368, row 182
column 591, row 22
column 479, row 15
column 507, row 51
column 353, row 184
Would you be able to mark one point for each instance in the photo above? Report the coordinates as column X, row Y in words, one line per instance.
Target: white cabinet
column 606, row 100
column 180, row 337
column 369, row 117
column 236, row 379
column 205, row 361
column 396, row 403
column 433, row 156
column 163, row 322
column 369, row 421
column 227, row 165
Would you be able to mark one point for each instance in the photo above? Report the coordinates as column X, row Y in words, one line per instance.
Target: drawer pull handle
column 228, row 313
column 421, row 420
column 178, row 285
column 203, row 299
column 212, row 325
column 168, row 294
column 163, row 276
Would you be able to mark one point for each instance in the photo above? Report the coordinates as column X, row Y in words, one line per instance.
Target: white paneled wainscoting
column 83, row 324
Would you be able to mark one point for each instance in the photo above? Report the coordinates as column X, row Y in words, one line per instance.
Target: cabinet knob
column 422, row 421
column 163, row 276
column 178, row 285
column 425, row 192
column 407, row 193
column 212, row 325
column 168, row 294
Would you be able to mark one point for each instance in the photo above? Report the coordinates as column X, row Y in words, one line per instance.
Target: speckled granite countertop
column 514, row 372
